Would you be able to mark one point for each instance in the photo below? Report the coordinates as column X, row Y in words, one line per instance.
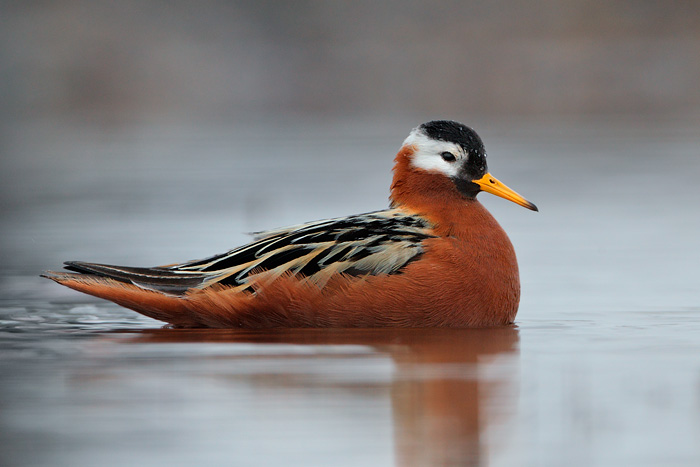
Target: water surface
column 601, row 368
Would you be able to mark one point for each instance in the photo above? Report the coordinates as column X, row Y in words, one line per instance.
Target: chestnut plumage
column 435, row 258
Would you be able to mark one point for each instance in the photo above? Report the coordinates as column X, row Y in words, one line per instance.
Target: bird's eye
column 448, row 156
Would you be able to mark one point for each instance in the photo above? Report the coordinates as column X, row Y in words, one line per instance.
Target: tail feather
column 163, row 307
column 159, row 279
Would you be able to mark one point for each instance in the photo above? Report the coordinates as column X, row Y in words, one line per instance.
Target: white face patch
column 428, row 154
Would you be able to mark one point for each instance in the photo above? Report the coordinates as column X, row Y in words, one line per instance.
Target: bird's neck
column 437, row 198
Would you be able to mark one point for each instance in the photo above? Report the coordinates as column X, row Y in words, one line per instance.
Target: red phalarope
column 435, row 258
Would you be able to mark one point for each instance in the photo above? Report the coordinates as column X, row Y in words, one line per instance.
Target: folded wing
column 381, row 242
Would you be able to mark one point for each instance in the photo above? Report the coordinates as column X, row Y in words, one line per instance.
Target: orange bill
column 490, row 184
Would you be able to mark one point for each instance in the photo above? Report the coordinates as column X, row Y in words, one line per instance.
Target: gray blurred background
column 130, row 61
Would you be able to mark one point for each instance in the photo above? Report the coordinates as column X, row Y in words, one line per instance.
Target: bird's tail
column 159, row 292
column 160, row 279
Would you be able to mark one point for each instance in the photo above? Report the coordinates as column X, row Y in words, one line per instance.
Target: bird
column 435, row 258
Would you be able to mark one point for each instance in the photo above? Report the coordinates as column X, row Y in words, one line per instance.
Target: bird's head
column 455, row 151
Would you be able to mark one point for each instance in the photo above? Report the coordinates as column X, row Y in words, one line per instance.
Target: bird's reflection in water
column 439, row 394
column 439, row 388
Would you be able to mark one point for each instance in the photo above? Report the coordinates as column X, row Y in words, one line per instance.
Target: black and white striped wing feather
column 375, row 243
